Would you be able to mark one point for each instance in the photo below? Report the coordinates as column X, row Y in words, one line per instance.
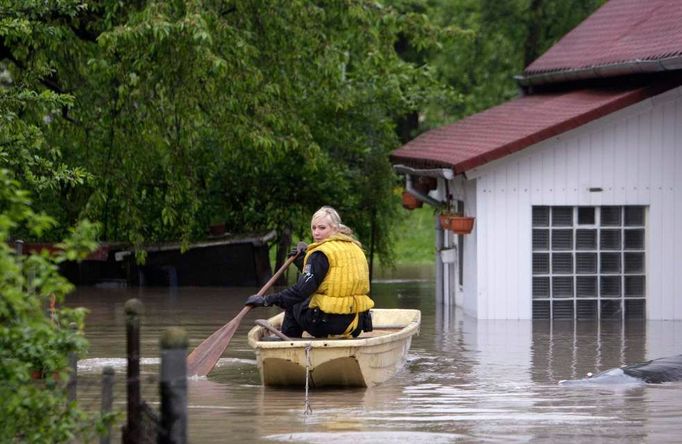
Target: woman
column 330, row 297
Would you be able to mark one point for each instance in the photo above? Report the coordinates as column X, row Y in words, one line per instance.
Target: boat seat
column 272, row 338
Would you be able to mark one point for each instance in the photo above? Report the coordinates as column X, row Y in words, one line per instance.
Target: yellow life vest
column 345, row 288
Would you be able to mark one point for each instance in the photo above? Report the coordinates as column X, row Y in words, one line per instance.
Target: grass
column 415, row 237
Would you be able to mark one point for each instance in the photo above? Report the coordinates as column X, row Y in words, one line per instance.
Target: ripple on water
column 465, row 380
column 94, row 365
column 366, row 437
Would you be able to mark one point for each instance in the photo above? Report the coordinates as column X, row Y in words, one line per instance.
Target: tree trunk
column 283, row 246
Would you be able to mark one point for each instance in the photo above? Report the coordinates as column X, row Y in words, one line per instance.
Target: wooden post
column 173, row 387
column 72, row 384
column 131, row 432
column 19, row 247
column 107, row 400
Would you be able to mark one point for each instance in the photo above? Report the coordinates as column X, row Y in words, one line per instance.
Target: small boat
column 371, row 358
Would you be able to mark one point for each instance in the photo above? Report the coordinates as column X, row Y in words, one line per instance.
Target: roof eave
column 446, row 173
column 462, row 166
column 601, row 71
column 420, row 163
column 556, row 130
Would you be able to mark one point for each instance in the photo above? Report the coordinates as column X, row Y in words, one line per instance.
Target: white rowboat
column 369, row 359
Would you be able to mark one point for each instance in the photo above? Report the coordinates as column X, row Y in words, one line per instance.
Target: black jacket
column 310, row 279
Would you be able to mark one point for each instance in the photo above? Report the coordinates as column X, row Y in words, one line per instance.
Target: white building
column 574, row 185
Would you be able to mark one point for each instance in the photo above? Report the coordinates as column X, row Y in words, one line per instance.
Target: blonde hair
column 334, row 219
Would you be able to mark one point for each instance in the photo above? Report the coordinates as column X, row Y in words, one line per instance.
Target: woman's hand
column 256, row 300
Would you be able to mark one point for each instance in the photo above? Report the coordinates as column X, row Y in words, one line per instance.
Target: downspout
column 446, row 174
column 440, row 243
column 409, row 187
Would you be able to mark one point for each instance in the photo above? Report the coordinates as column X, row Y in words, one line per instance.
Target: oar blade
column 206, row 355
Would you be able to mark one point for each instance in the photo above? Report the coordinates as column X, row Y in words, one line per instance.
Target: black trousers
column 319, row 324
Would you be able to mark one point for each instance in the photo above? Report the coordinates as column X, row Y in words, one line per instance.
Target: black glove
column 300, row 247
column 256, row 300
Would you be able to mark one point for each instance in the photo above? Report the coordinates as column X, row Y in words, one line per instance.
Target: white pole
column 439, row 262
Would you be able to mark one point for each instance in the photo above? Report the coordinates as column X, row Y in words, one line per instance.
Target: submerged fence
column 144, row 424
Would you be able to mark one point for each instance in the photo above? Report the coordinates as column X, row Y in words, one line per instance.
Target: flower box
column 456, row 223
column 410, row 202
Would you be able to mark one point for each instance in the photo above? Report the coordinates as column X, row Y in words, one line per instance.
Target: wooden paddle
column 266, row 325
column 205, row 356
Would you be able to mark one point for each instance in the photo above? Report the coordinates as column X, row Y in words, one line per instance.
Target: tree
column 163, row 117
column 30, row 33
column 31, row 341
column 256, row 112
column 501, row 39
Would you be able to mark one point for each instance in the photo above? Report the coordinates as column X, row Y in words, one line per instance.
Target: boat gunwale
column 411, row 328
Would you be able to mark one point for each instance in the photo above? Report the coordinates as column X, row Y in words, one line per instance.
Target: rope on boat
column 308, row 365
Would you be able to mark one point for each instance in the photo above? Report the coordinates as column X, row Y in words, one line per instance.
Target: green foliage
column 159, row 118
column 37, row 411
column 31, row 37
column 253, row 112
column 500, row 39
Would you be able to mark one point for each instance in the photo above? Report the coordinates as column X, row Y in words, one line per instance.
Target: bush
column 31, row 340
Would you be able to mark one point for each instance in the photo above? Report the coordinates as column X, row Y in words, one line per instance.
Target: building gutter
column 444, row 173
column 601, row 71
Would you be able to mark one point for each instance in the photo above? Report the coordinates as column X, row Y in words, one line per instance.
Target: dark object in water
column 657, row 370
column 228, row 260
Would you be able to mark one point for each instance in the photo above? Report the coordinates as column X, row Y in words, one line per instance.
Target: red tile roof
column 620, row 32
column 512, row 126
column 622, row 37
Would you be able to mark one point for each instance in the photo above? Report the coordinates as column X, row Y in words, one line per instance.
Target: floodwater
column 464, row 381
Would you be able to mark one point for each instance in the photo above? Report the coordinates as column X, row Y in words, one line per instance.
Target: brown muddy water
column 464, row 381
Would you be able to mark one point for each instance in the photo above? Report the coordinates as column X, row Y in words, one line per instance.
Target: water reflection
column 465, row 379
column 564, row 350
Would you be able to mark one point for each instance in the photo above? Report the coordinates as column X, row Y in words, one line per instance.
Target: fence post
column 72, row 384
column 132, row 431
column 107, row 400
column 173, row 387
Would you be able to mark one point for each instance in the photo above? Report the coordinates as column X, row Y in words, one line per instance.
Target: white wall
column 633, row 154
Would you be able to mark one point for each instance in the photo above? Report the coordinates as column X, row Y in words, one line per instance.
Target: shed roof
column 622, row 37
column 514, row 125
